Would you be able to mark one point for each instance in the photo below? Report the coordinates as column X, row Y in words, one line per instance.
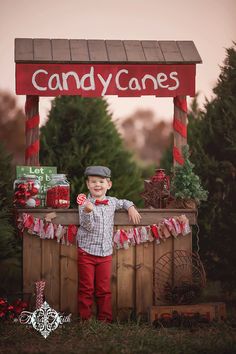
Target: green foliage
column 212, row 141
column 10, row 245
column 6, row 228
column 185, row 184
column 166, row 161
column 79, row 133
column 212, row 137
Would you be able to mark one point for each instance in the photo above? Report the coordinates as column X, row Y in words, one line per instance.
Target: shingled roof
column 41, row 50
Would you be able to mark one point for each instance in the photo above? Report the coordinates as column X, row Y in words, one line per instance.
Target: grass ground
column 126, row 338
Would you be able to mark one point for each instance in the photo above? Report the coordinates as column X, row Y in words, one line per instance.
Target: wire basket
column 179, row 278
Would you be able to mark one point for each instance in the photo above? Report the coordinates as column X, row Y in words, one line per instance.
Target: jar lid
column 58, row 175
column 29, row 176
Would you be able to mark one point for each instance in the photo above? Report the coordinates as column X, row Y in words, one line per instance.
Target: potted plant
column 185, row 185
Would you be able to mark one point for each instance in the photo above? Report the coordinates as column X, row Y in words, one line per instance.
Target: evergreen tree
column 212, row 137
column 185, row 184
column 6, row 228
column 212, row 141
column 79, row 133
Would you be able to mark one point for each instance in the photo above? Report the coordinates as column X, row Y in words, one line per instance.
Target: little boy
column 95, row 242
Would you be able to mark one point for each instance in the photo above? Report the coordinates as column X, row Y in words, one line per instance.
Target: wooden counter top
column 149, row 216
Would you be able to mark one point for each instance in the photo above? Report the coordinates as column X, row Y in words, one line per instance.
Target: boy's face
column 98, row 186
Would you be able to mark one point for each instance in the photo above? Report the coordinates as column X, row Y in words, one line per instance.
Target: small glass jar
column 58, row 192
column 26, row 191
column 160, row 176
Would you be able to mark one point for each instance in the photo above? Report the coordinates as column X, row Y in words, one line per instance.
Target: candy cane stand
column 95, row 68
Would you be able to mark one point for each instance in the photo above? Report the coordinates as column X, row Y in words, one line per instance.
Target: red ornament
column 25, row 190
column 34, row 191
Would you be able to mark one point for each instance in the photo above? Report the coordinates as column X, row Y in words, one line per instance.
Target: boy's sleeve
column 123, row 203
column 86, row 220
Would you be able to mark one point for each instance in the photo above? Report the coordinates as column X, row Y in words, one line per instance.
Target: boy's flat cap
column 98, row 171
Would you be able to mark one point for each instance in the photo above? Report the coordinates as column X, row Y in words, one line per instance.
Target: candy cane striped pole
column 32, row 130
column 40, row 285
column 180, row 128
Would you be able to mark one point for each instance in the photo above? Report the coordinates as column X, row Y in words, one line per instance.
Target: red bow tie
column 104, row 202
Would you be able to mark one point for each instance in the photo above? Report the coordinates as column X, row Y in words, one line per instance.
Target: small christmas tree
column 185, row 184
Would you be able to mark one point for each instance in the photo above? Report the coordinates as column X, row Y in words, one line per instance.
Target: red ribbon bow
column 98, row 202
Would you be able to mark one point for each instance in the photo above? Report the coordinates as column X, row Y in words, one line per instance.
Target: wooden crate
column 211, row 311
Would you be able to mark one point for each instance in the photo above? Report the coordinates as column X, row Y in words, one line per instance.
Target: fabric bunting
column 123, row 238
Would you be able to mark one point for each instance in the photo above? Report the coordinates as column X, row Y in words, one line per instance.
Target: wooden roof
column 41, row 50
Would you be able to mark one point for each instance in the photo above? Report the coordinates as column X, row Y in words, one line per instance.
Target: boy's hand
column 82, row 200
column 88, row 206
column 134, row 215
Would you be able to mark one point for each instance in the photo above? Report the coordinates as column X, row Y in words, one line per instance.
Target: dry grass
column 127, row 338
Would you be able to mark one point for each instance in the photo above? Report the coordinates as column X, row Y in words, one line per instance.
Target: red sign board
column 95, row 80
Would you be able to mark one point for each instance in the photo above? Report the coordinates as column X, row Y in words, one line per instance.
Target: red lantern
column 160, row 176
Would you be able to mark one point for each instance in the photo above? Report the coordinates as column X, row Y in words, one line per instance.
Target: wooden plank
column 97, row 50
column 183, row 243
column 125, row 283
column 42, row 50
column 116, row 51
column 51, row 272
column 149, row 216
column 79, row 50
column 60, row 50
column 210, row 311
column 134, row 51
column 189, row 51
column 171, row 51
column 152, row 51
column 76, row 50
column 69, row 279
column 32, row 265
column 114, row 284
column 144, row 279
column 160, row 250
column 183, row 270
column 24, row 49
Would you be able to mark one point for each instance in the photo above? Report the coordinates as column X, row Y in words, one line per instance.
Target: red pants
column 94, row 279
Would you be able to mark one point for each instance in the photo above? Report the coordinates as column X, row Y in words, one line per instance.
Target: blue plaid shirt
column 95, row 234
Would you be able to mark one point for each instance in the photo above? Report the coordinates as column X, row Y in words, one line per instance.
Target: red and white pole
column 32, row 130
column 180, row 128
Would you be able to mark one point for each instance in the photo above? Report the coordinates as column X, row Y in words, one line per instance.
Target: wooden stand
column 132, row 269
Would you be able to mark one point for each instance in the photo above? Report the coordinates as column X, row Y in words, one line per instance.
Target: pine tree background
column 10, row 246
column 79, row 133
column 212, row 141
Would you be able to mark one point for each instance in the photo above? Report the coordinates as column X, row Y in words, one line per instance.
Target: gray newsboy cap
column 98, row 171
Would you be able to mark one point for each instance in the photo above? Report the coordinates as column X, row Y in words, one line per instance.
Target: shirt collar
column 93, row 199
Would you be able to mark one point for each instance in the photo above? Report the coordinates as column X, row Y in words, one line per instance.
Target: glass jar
column 58, row 192
column 161, row 177
column 26, row 191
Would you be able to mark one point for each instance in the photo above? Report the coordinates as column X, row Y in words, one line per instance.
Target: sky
column 209, row 23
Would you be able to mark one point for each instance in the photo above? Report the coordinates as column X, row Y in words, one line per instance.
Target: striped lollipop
column 81, row 199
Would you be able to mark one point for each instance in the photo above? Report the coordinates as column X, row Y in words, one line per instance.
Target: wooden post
column 180, row 128
column 32, row 130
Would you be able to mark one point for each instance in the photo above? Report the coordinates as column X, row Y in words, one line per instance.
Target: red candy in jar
column 26, row 191
column 58, row 192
